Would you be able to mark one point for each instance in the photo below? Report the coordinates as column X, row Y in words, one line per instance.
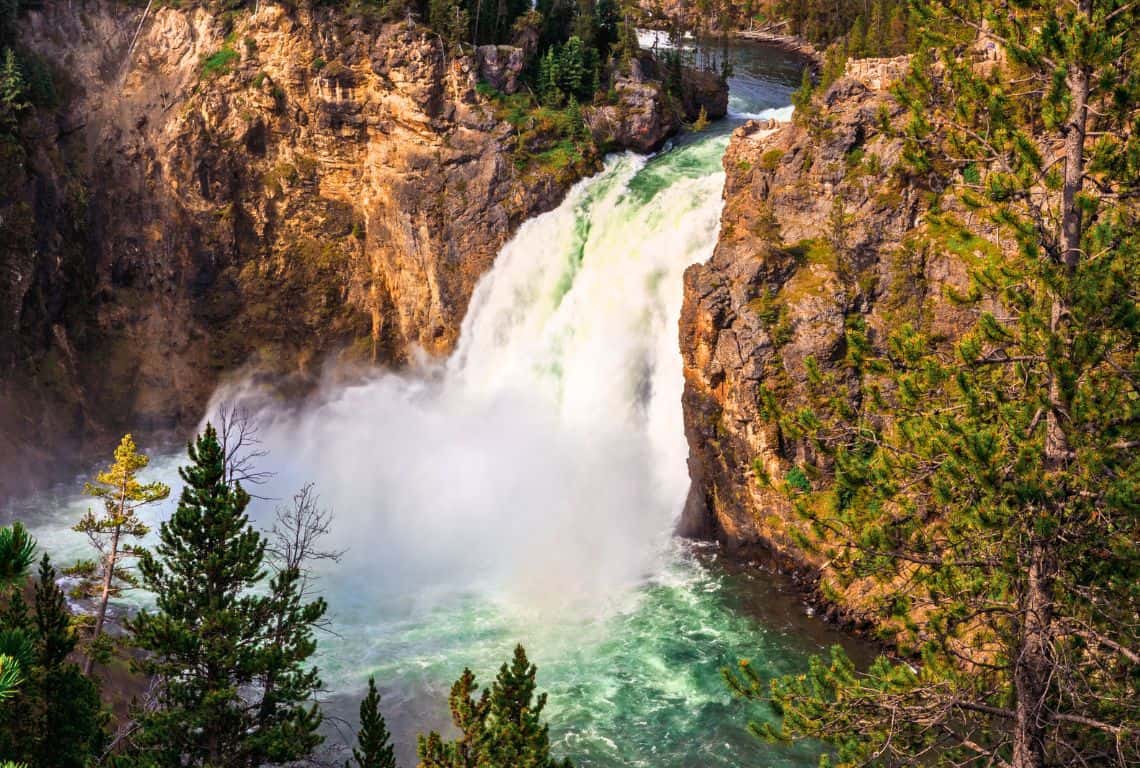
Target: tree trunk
column 1072, row 230
column 108, row 575
column 1033, row 666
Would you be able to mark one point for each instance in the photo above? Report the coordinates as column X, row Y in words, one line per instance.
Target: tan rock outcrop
column 273, row 189
column 815, row 235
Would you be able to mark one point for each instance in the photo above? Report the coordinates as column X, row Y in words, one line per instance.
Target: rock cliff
column 642, row 115
column 817, row 233
column 265, row 190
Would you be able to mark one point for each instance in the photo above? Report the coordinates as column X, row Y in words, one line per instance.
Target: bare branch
column 241, row 443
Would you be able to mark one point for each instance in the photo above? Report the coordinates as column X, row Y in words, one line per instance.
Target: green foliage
column 218, row 63
column 451, row 20
column 986, row 493
column 374, row 747
column 13, row 91
column 796, row 480
column 876, row 28
column 802, row 97
column 214, row 636
column 503, row 726
column 17, row 553
column 54, row 719
column 549, row 140
column 122, row 495
column 674, row 72
column 568, row 71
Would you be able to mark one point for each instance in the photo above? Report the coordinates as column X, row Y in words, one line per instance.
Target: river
column 525, row 489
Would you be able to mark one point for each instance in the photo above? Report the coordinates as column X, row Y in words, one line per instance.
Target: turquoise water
column 640, row 686
column 525, row 489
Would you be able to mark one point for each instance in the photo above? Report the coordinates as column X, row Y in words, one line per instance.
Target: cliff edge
column 817, row 233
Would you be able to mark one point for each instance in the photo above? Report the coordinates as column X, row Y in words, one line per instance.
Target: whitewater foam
column 543, row 464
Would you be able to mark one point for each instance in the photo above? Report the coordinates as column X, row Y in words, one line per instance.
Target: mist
column 542, row 465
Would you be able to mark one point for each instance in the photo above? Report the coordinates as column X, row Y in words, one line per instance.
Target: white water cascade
column 544, row 463
column 525, row 489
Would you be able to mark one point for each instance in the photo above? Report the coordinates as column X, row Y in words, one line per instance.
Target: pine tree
column 450, row 19
column 122, row 495
column 876, row 44
column 214, row 643
column 502, row 727
column 896, row 37
column 17, row 553
column 374, row 747
column 991, row 487
column 549, row 79
column 573, row 68
column 857, row 39
column 55, row 718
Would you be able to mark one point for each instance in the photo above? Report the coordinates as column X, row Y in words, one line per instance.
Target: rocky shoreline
column 790, row 43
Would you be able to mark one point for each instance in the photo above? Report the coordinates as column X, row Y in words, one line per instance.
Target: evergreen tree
column 608, row 26
column 229, row 661
column 122, row 495
column 549, row 78
column 449, row 18
column 557, row 21
column 897, row 37
column 857, row 42
column 17, row 553
column 502, row 727
column 991, row 487
column 55, row 718
column 374, row 747
column 877, row 30
column 13, row 91
column 573, row 72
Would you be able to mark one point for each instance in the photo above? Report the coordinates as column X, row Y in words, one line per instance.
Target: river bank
column 790, row 43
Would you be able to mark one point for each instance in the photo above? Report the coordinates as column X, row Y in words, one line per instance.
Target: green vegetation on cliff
column 986, row 491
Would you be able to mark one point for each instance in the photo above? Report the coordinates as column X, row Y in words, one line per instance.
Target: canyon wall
column 262, row 190
column 818, row 232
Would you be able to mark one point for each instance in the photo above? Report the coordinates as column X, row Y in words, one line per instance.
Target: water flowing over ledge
column 526, row 488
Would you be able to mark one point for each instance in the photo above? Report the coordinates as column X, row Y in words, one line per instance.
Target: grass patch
column 949, row 232
column 218, row 63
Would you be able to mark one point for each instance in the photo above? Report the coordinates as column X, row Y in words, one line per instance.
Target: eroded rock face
column 642, row 115
column 272, row 190
column 501, row 66
column 705, row 90
column 815, row 235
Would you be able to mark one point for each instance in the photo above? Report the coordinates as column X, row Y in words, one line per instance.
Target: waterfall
column 544, row 462
column 525, row 489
